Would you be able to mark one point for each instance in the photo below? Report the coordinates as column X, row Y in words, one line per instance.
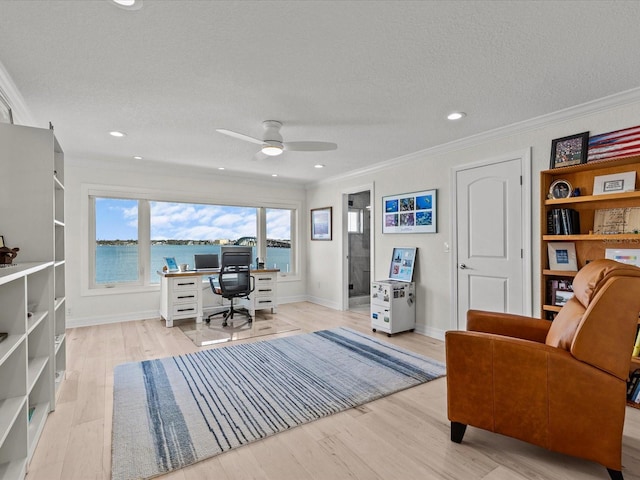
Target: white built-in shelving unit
column 32, row 291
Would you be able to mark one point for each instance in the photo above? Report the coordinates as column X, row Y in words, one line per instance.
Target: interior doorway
column 358, row 241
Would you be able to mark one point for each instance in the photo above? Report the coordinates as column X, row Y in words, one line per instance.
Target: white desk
column 181, row 294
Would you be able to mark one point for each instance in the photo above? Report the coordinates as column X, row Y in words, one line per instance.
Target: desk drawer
column 188, row 309
column 264, row 291
column 191, row 283
column 184, row 296
column 261, row 302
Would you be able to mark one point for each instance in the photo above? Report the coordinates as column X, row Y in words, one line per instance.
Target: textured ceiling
column 375, row 77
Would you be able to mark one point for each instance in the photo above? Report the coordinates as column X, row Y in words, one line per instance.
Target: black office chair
column 233, row 281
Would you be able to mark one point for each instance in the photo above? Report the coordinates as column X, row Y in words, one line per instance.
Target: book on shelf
column 563, row 221
column 31, row 410
column 636, row 345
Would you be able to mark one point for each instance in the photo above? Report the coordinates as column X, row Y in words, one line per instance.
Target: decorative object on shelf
column 7, row 255
column 614, row 183
column 562, row 256
column 613, row 221
column 616, row 144
column 571, row 150
column 1, row 241
column 629, row 256
column 321, row 226
column 410, row 212
column 560, row 189
column 172, row 265
column 563, row 221
column 3, row 335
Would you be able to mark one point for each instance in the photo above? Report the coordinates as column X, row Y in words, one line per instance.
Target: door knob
column 462, row 266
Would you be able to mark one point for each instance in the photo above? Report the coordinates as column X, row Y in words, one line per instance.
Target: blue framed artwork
column 410, row 213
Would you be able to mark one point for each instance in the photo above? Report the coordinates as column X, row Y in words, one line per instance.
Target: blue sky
column 118, row 219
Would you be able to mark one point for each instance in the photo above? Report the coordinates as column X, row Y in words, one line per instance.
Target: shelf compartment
column 36, row 425
column 13, row 450
column 35, row 369
column 10, row 409
column 34, row 320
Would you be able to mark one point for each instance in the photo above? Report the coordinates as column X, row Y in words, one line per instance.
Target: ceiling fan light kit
column 272, row 143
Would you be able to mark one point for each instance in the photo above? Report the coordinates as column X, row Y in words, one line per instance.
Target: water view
column 119, row 263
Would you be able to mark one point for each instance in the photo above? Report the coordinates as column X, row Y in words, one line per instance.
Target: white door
column 490, row 225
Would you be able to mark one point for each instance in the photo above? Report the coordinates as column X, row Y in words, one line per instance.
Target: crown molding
column 571, row 113
column 21, row 113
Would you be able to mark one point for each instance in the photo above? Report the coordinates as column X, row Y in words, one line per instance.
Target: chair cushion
column 564, row 326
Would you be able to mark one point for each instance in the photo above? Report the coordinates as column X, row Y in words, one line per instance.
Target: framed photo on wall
column 321, row 223
column 571, row 150
column 410, row 212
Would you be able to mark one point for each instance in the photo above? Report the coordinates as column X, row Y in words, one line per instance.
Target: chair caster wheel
column 374, row 330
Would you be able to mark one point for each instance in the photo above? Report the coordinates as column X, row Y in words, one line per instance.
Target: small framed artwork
column 562, row 256
column 321, row 223
column 560, row 189
column 568, row 151
column 410, row 212
column 172, row 265
column 630, row 256
column 560, row 297
column 614, row 183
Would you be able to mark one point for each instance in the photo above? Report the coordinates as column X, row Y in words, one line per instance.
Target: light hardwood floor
column 403, row 436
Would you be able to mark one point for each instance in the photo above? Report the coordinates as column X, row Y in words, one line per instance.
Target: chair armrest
column 508, row 324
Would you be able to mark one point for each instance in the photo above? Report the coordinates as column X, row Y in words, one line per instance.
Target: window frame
column 144, row 197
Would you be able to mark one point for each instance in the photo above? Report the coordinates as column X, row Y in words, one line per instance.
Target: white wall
column 432, row 169
column 186, row 185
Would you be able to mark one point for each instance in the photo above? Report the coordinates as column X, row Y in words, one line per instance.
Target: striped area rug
column 176, row 411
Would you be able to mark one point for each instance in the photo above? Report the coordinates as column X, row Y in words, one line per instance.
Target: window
column 132, row 236
column 116, row 245
column 279, row 239
column 354, row 220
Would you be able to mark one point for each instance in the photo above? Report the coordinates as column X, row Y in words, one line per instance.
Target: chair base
column 228, row 314
column 457, row 431
column 615, row 474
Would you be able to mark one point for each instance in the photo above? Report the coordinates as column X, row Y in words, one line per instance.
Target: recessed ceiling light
column 456, row 115
column 319, row 166
column 274, row 174
column 128, row 4
column 137, row 157
column 115, row 133
column 220, row 168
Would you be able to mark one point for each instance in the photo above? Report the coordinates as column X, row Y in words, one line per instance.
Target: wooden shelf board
column 594, row 198
column 619, row 237
column 10, row 408
column 559, row 273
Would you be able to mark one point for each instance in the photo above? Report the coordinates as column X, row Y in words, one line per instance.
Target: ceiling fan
column 272, row 143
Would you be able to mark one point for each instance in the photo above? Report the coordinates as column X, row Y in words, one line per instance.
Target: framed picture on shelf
column 560, row 297
column 614, row 183
column 568, row 151
column 410, row 212
column 321, row 223
column 562, row 256
column 560, row 189
column 630, row 256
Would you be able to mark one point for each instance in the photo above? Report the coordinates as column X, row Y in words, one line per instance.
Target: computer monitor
column 403, row 262
column 206, row 261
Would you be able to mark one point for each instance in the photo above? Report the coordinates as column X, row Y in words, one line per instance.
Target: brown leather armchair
column 560, row 385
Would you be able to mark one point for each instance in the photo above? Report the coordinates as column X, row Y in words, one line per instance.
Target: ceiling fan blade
column 239, row 136
column 309, row 146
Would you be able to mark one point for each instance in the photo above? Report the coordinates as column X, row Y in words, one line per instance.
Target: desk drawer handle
column 186, row 296
column 265, row 290
column 265, row 301
column 186, row 310
column 265, row 278
column 186, row 283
